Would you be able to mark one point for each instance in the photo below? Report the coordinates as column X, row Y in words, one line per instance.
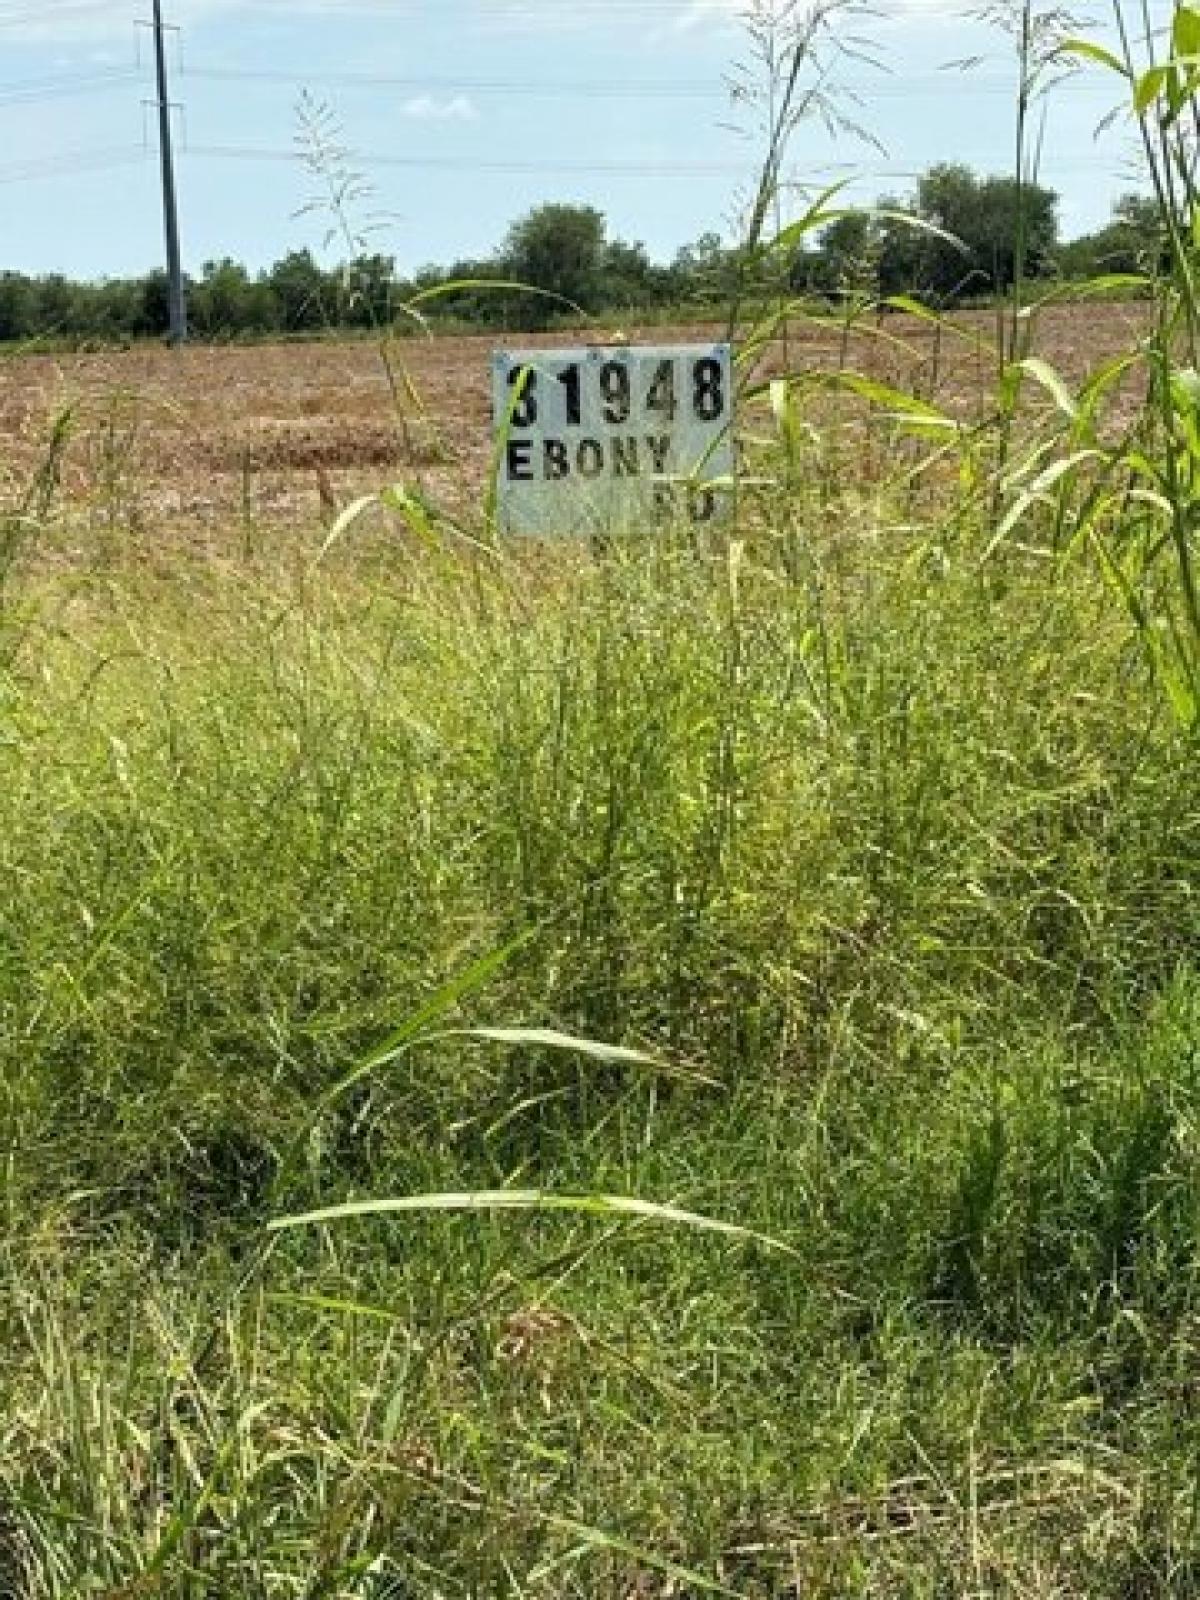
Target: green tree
column 368, row 288
column 17, row 307
column 113, row 310
column 847, row 257
column 60, row 306
column 152, row 316
column 704, row 269
column 986, row 216
column 479, row 305
column 301, row 291
column 558, row 249
column 1134, row 241
column 629, row 277
column 227, row 301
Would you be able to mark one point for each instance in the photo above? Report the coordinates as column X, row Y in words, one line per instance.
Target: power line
column 916, row 86
column 494, row 15
column 941, row 82
column 71, row 162
column 44, row 17
column 19, row 94
column 630, row 169
column 553, row 12
column 559, row 88
column 655, row 169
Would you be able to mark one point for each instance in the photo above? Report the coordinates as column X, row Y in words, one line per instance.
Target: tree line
column 970, row 232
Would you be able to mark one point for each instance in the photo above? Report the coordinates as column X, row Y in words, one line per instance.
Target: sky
column 461, row 115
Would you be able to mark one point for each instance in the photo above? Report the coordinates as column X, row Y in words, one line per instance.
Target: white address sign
column 610, row 438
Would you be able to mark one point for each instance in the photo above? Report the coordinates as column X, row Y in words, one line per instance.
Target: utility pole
column 178, row 308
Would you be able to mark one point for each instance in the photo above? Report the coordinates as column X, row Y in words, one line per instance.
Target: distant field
column 215, row 433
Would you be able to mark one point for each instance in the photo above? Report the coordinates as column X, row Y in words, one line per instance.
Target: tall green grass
column 884, row 863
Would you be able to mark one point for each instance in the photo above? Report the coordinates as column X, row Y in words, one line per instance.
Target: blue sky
column 465, row 113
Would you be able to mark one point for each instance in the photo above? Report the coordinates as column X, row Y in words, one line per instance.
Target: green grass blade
column 187, row 1517
column 438, row 1004
column 500, row 285
column 1044, row 374
column 595, row 1539
column 594, row 1049
column 602, row 1205
column 443, row 1000
column 1087, row 50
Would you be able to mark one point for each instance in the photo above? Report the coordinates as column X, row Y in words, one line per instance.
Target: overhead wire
column 36, row 90
column 551, row 11
column 72, row 162
column 43, row 17
column 935, row 82
column 641, row 168
column 931, row 83
column 634, row 169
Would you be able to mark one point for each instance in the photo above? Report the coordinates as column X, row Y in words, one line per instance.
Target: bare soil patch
column 188, row 441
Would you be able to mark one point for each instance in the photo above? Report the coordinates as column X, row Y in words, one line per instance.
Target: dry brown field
column 276, row 434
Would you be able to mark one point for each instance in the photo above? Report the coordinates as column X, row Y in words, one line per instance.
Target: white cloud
column 698, row 12
column 428, row 108
column 714, row 15
column 703, row 17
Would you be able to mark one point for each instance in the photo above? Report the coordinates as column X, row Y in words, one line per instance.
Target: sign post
column 609, row 439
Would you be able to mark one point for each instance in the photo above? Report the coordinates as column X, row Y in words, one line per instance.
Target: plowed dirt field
column 191, row 441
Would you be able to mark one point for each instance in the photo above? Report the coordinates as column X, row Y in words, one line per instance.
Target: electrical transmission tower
column 176, row 300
